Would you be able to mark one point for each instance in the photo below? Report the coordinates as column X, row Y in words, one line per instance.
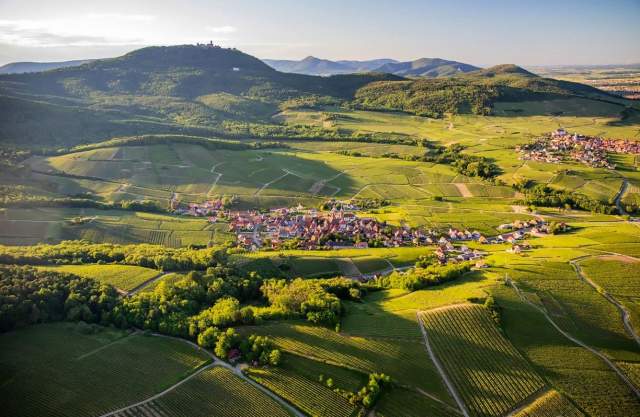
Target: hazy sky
column 480, row 32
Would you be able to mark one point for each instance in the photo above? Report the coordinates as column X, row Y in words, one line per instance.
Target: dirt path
column 464, row 190
column 85, row 355
column 160, row 394
column 216, row 362
column 527, row 401
column 618, row 197
column 147, row 283
column 348, row 268
column 624, row 313
column 259, row 190
column 319, row 185
column 445, row 378
column 609, row 363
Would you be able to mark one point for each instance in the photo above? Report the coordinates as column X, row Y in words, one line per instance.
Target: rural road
column 623, row 189
column 611, row 365
column 216, row 362
column 441, row 371
column 146, row 283
column 626, row 319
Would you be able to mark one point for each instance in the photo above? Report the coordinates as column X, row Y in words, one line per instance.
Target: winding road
column 578, row 342
column 626, row 318
column 623, row 189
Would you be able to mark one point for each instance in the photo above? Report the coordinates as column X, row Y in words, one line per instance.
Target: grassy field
column 124, row 277
column 56, row 370
column 488, row 372
column 215, row 391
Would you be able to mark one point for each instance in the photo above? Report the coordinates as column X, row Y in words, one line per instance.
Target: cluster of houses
column 590, row 150
column 210, row 208
column 312, row 229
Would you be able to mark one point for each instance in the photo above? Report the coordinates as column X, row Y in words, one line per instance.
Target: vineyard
column 52, row 369
column 551, row 404
column 213, row 392
column 403, row 360
column 311, row 397
column 406, row 403
column 488, row 372
column 124, row 277
column 585, row 378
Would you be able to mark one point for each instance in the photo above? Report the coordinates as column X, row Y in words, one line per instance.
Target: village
column 341, row 228
column 559, row 146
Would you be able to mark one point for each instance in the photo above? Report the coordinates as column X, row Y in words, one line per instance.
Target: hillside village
column 560, row 145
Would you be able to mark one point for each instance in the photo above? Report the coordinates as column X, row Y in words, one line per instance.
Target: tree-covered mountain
column 423, row 67
column 426, row 67
column 22, row 67
column 474, row 92
column 173, row 88
column 213, row 91
column 316, row 66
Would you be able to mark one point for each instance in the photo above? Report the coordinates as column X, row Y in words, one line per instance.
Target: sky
column 480, row 32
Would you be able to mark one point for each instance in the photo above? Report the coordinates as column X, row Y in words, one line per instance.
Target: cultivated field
column 124, row 277
column 214, row 391
column 56, row 370
column 487, row 371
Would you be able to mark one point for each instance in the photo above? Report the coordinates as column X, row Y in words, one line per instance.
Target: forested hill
column 426, row 67
column 182, row 71
column 213, row 91
column 474, row 92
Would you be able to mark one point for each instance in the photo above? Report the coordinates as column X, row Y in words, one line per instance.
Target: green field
column 488, row 372
column 124, row 277
column 214, row 391
column 56, row 370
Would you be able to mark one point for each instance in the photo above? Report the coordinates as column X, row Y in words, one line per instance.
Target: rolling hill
column 423, row 67
column 23, row 67
column 475, row 92
column 214, row 91
column 316, row 66
column 159, row 88
column 426, row 67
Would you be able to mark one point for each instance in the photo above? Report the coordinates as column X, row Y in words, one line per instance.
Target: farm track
column 286, row 172
column 440, row 368
column 216, row 362
column 101, row 348
column 146, row 283
column 618, row 197
column 578, row 342
column 624, row 313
